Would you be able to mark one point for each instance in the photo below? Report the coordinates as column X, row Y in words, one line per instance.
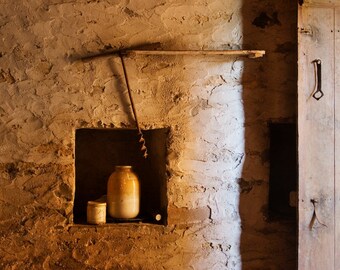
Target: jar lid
column 95, row 203
column 123, row 167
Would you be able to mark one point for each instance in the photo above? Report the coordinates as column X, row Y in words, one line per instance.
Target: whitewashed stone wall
column 217, row 109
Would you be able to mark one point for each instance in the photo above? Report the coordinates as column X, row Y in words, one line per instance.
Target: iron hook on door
column 315, row 216
column 317, row 93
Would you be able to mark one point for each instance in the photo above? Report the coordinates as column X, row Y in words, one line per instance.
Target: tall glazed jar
column 123, row 193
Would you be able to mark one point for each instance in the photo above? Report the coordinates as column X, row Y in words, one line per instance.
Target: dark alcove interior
column 283, row 170
column 98, row 151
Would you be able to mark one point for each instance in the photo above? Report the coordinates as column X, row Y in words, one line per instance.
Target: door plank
column 326, row 2
column 316, row 140
column 337, row 138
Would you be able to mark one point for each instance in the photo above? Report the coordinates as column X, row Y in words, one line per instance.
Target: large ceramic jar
column 123, row 193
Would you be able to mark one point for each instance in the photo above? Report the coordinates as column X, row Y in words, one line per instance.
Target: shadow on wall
column 269, row 94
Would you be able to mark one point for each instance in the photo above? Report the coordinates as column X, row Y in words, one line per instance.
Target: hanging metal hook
column 315, row 216
column 317, row 92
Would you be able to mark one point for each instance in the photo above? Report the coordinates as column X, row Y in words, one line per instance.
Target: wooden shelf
column 249, row 53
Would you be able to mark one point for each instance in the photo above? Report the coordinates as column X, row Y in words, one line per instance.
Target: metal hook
column 315, row 216
column 317, row 93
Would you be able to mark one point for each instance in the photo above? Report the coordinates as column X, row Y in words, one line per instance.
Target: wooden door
column 319, row 214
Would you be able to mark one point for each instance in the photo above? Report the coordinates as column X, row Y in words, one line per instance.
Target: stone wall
column 216, row 107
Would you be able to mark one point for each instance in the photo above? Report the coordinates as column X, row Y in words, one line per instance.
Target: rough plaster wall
column 217, row 109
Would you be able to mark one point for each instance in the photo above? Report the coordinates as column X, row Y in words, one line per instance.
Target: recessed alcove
column 98, row 151
column 283, row 171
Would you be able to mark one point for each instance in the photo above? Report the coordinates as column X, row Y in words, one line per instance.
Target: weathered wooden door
column 318, row 134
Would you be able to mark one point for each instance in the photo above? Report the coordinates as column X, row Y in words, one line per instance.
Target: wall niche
column 98, row 151
column 283, row 171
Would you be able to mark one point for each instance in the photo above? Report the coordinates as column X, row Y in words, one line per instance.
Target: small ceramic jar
column 96, row 212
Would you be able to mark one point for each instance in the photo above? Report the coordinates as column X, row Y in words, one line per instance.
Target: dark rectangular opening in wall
column 98, row 151
column 283, row 170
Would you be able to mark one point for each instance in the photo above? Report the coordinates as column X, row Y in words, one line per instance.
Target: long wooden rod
column 250, row 53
